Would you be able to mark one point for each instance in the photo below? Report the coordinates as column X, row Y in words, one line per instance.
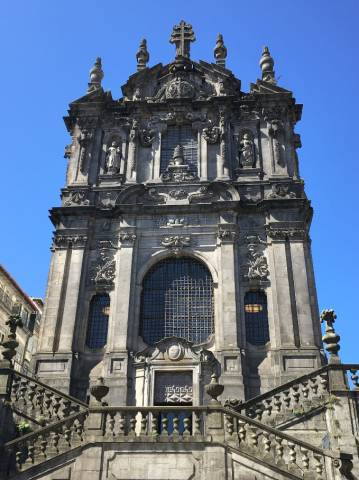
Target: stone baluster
column 296, row 394
column 305, row 390
column 55, row 441
column 32, row 395
column 229, row 424
column 267, row 442
column 56, row 406
column 164, row 422
column 175, row 422
column 305, row 458
column 324, row 382
column 121, row 424
column 277, row 403
column 111, row 424
column 132, row 424
column 144, row 416
column 279, row 449
column 196, row 423
column 292, row 454
column 154, row 424
column 286, row 399
column 268, row 406
column 242, row 431
column 186, row 426
column 313, row 384
column 318, row 464
column 253, row 436
column 30, row 454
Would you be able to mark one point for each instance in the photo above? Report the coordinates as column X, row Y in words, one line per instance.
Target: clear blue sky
column 48, row 48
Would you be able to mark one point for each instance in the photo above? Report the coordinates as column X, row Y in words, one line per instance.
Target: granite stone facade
column 186, row 173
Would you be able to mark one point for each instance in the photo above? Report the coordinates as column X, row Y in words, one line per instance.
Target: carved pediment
column 174, row 349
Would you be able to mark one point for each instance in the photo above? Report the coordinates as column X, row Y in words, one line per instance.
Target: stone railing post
column 96, row 421
column 9, row 345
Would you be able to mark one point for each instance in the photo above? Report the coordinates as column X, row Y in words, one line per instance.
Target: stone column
column 118, row 328
column 226, row 328
column 71, row 298
column 286, row 332
column 203, row 157
column 307, row 316
column 55, row 288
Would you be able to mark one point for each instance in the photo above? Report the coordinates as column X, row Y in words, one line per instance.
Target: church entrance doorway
column 174, row 391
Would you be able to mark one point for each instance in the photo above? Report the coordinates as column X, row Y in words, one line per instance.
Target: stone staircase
column 278, row 451
column 295, row 400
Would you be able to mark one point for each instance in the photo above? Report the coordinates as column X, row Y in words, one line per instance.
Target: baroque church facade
column 181, row 335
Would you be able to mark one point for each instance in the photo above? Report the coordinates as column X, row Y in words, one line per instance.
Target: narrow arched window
column 177, row 300
column 256, row 318
column 97, row 326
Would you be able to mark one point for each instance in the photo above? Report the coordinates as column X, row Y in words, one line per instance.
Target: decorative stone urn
column 214, row 389
column 99, row 390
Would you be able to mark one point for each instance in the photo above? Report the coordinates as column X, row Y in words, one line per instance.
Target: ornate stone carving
column 267, row 63
column 227, row 233
column 107, row 199
column 175, row 222
column 178, row 170
column 113, row 159
column 178, row 194
column 247, row 153
column 77, row 197
column 146, row 137
column 211, row 134
column 275, row 130
column 132, row 152
column 84, row 140
column 65, row 241
column 176, row 242
column 127, row 238
column 179, row 88
column 174, row 349
column 214, row 389
column 283, row 233
column 281, row 191
column 204, row 194
column 257, row 262
column 104, row 268
column 152, row 196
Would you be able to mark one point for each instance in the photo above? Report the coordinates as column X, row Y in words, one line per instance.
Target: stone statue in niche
column 113, row 159
column 247, row 154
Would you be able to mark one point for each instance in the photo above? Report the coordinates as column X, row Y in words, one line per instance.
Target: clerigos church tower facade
column 181, row 336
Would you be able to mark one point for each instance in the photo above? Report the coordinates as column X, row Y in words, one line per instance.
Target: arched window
column 98, row 321
column 177, row 300
column 256, row 318
column 180, row 135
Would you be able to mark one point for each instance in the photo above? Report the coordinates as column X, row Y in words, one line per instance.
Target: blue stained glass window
column 177, row 300
column 98, row 321
column 256, row 318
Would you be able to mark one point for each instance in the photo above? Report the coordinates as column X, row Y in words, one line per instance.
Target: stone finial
column 214, row 389
column 10, row 344
column 220, row 51
column 267, row 63
column 330, row 338
column 182, row 36
column 142, row 55
column 96, row 76
column 178, row 156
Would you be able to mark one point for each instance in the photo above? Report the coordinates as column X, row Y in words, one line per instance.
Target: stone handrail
column 39, row 402
column 212, row 423
column 294, row 398
column 280, row 449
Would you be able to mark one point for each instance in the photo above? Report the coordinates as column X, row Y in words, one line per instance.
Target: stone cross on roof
column 182, row 36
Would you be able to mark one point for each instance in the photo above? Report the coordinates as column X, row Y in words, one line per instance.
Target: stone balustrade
column 40, row 403
column 203, row 424
column 297, row 397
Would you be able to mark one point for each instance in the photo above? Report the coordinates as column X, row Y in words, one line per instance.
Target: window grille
column 177, row 300
column 98, row 321
column 256, row 318
column 180, row 135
